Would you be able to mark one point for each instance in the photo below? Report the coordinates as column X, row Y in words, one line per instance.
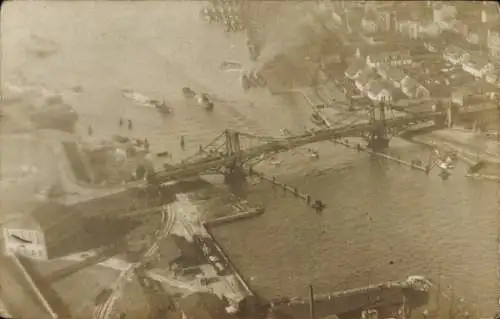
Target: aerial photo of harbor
column 250, row 159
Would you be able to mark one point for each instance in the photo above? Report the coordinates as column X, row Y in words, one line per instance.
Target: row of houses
column 378, row 79
column 477, row 65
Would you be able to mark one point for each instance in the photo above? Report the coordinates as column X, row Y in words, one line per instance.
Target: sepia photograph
column 246, row 159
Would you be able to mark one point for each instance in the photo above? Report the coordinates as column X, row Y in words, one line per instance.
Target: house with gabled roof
column 354, row 69
column 363, row 79
column 455, row 55
column 378, row 90
column 491, row 77
column 478, row 66
column 392, row 74
column 414, row 90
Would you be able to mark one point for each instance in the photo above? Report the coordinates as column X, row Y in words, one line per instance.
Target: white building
column 41, row 230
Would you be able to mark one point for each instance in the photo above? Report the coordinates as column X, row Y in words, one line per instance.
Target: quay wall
column 228, row 261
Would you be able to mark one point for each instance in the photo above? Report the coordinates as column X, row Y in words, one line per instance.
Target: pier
column 467, row 156
column 360, row 148
column 229, row 263
column 200, row 231
column 315, row 204
column 385, row 298
column 234, row 217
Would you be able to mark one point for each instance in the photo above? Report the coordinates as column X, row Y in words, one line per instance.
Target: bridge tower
column 378, row 138
column 234, row 172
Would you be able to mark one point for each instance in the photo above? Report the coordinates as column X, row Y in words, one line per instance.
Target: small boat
column 161, row 106
column 188, row 93
column 205, row 101
column 137, row 97
column 145, row 101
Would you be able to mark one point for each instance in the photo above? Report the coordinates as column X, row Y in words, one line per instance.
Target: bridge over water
column 227, row 152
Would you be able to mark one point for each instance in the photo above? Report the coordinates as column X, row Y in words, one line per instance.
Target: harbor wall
column 228, row 262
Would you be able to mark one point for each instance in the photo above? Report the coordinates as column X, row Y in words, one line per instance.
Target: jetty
column 349, row 304
column 234, row 217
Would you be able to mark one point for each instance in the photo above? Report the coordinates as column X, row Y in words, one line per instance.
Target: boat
column 145, row 101
column 205, row 101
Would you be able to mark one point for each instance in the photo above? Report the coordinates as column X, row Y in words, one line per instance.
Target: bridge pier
column 234, row 175
column 378, row 143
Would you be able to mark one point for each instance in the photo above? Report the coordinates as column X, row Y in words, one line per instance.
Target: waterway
column 382, row 221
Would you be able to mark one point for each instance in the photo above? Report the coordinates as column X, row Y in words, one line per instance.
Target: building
column 414, row 90
column 396, row 76
column 204, row 305
column 478, row 66
column 378, row 91
column 493, row 42
column 443, row 12
column 410, row 29
column 369, row 23
column 354, row 69
column 394, row 58
column 491, row 77
column 44, row 231
column 459, row 27
column 478, row 36
column 455, row 55
column 363, row 79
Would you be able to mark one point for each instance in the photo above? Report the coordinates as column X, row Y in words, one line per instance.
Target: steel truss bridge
column 227, row 153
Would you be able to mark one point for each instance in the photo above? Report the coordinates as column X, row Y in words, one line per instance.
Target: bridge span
column 230, row 155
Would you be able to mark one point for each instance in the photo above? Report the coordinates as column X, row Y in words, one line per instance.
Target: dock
column 466, row 156
column 232, row 268
column 315, row 204
column 350, row 303
column 202, row 230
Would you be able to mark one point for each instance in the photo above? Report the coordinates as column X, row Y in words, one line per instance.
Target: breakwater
column 316, row 204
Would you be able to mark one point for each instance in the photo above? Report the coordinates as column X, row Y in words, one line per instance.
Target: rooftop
column 376, row 86
column 355, row 66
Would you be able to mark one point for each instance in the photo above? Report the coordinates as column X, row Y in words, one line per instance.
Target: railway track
column 104, row 309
